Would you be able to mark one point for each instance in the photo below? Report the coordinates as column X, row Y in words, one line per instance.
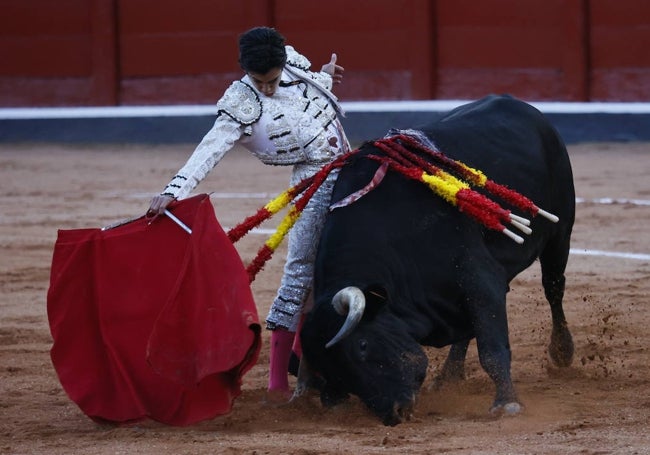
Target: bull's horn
column 348, row 301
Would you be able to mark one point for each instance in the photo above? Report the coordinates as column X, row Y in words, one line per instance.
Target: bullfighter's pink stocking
column 281, row 342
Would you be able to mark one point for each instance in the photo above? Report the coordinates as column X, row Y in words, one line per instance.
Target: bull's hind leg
column 553, row 261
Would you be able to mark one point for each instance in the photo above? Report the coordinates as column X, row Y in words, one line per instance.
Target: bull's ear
column 376, row 298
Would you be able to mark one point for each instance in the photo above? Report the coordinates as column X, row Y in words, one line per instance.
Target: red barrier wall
column 41, row 56
column 619, row 50
column 174, row 51
column 129, row 52
column 385, row 46
column 536, row 49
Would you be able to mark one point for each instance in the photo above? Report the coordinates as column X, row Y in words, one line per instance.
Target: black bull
column 428, row 274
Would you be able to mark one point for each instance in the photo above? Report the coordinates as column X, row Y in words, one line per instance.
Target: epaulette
column 241, row 103
column 297, row 60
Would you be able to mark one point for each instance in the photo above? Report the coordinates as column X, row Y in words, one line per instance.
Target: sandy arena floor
column 601, row 405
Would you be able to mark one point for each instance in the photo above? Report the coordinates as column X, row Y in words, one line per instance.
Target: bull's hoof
column 560, row 350
column 508, row 409
column 300, row 391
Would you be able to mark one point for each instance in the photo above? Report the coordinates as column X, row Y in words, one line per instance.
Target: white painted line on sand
column 573, row 251
column 611, row 201
column 612, row 254
column 233, row 195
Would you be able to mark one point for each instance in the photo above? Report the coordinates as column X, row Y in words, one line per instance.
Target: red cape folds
column 151, row 322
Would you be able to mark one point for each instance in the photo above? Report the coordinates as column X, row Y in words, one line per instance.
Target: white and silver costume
column 296, row 126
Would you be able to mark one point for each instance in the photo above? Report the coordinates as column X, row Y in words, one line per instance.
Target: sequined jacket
column 296, row 126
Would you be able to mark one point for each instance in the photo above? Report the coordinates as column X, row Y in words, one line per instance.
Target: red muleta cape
column 151, row 322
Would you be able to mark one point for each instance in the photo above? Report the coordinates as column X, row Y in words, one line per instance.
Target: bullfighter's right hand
column 159, row 204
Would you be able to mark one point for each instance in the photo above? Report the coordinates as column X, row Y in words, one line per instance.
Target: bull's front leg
column 491, row 327
column 306, row 380
column 495, row 360
column 453, row 370
column 304, row 377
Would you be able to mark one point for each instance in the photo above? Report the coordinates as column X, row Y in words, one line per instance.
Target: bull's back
column 514, row 145
column 508, row 140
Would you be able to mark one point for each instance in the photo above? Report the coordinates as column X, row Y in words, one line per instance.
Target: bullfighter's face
column 266, row 83
column 379, row 362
